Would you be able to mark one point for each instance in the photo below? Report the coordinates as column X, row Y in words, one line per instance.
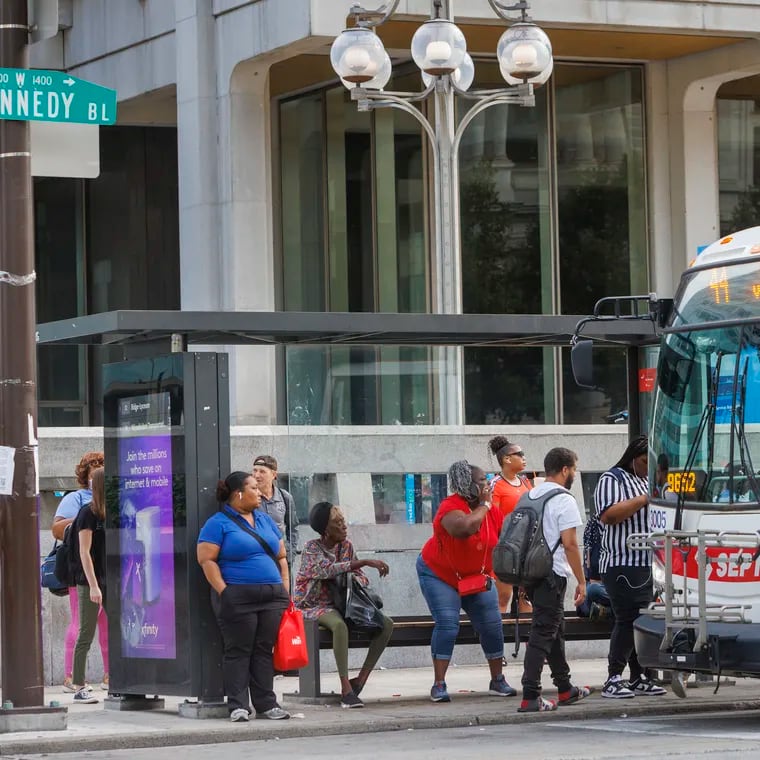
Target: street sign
column 36, row 95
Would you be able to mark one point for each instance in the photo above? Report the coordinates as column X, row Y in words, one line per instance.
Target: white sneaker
column 84, row 697
column 644, row 687
column 616, row 688
column 239, row 715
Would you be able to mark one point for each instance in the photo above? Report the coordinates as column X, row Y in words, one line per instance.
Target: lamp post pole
column 439, row 49
column 20, row 604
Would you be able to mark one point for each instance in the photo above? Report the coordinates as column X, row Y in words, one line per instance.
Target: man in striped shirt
column 622, row 507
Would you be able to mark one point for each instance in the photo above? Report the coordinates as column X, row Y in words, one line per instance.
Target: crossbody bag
column 248, row 529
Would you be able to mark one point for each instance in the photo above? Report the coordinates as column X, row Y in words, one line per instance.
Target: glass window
column 601, row 210
column 739, row 153
column 60, row 295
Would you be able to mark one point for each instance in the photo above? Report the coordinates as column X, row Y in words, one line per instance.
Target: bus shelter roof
column 338, row 328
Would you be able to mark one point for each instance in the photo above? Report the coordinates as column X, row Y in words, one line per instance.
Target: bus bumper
column 731, row 648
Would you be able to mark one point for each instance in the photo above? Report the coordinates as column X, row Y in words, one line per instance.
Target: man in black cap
column 276, row 501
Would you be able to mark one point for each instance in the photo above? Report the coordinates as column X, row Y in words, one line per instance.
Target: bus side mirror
column 582, row 362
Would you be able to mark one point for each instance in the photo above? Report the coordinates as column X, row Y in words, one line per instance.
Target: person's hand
column 484, row 499
column 580, row 594
column 379, row 565
column 96, row 595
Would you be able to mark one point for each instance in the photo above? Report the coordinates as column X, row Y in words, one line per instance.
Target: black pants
column 249, row 619
column 547, row 637
column 630, row 589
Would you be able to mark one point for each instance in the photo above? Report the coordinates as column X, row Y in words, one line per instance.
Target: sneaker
column 356, row 687
column 615, row 688
column 500, row 688
column 274, row 713
column 645, row 687
column 439, row 693
column 350, row 700
column 573, row 695
column 239, row 715
column 84, row 697
column 539, row 704
column 599, row 612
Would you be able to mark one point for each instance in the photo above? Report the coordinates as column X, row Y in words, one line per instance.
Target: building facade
column 240, row 176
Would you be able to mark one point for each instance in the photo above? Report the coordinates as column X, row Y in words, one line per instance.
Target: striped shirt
column 614, row 486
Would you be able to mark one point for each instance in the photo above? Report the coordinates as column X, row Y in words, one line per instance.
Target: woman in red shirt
column 465, row 531
column 507, row 488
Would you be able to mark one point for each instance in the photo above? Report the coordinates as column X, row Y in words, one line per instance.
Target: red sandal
column 575, row 694
column 537, row 705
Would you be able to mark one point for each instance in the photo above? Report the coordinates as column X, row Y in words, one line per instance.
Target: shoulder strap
column 544, row 499
column 248, row 529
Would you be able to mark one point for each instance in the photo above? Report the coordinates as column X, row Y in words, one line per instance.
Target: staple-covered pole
column 20, row 604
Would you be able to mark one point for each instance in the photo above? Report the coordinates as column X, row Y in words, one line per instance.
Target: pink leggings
column 73, row 631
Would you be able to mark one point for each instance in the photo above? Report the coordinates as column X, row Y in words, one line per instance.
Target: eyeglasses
column 520, row 454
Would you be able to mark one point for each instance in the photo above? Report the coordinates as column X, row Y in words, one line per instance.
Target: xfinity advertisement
column 146, row 527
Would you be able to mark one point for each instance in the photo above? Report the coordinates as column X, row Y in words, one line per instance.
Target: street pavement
column 396, row 700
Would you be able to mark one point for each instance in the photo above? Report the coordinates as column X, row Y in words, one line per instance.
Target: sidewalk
column 395, row 699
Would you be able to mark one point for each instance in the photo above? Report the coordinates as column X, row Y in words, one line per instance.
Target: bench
column 414, row 631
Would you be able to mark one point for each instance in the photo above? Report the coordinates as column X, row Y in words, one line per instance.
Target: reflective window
column 739, row 153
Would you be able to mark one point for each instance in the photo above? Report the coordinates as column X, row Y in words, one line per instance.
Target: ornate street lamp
column 439, row 49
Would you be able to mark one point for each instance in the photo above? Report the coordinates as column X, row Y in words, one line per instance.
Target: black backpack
column 522, row 557
column 63, row 559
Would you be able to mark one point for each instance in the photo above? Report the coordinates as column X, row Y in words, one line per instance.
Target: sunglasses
column 520, row 454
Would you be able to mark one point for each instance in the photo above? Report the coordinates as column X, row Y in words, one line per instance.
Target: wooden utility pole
column 20, row 605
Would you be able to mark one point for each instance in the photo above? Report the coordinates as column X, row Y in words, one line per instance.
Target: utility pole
column 20, row 605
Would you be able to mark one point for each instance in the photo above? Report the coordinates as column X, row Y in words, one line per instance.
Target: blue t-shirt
column 242, row 558
column 71, row 503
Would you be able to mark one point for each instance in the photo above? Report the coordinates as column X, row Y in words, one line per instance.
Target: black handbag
column 362, row 607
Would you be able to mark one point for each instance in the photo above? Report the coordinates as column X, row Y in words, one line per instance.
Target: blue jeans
column 595, row 592
column 445, row 603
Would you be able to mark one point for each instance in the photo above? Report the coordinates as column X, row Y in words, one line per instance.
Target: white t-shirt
column 561, row 513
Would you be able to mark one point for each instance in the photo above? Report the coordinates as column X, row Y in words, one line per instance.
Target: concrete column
column 197, row 131
column 247, row 211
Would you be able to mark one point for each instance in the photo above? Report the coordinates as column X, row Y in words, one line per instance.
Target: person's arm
column 85, row 545
column 207, row 555
column 569, row 540
column 621, row 511
column 59, row 527
column 460, row 525
column 282, row 561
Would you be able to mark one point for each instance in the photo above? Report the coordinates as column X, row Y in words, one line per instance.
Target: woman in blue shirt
column 242, row 555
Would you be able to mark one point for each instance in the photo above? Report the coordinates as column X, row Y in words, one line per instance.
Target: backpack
column 521, row 557
column 63, row 559
column 592, row 548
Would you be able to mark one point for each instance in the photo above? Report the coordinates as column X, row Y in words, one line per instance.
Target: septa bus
column 704, row 481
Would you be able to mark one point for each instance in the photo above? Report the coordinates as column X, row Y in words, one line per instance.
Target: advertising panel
column 146, row 527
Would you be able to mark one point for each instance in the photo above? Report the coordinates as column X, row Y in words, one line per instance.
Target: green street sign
column 35, row 95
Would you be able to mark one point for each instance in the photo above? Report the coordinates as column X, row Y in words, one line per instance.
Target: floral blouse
column 319, row 566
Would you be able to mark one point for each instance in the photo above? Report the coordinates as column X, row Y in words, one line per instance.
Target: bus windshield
column 705, row 434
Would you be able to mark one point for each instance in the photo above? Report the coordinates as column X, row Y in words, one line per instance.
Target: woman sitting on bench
column 324, row 560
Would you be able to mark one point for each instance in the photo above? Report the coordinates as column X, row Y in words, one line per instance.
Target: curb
column 295, row 729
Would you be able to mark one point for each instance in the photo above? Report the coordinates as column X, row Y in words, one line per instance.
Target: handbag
column 475, row 583
column 290, row 651
column 48, row 578
column 362, row 608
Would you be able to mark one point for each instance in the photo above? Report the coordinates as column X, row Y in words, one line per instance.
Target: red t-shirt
column 504, row 496
column 442, row 553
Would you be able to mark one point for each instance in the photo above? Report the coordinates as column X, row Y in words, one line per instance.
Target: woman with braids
column 242, row 554
column 465, row 531
column 506, row 489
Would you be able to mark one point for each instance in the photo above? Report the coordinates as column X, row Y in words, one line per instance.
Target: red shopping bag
column 290, row 651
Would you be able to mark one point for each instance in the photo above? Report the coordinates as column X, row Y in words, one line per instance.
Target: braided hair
column 460, row 478
column 637, row 447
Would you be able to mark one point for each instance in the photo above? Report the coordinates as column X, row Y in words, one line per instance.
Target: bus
column 704, row 481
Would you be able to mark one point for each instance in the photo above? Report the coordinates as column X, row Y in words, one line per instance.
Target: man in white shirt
column 547, row 630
